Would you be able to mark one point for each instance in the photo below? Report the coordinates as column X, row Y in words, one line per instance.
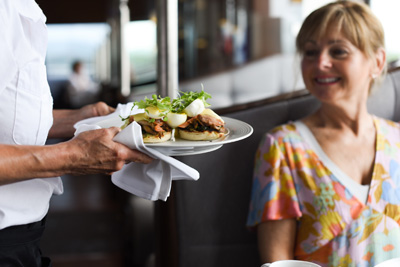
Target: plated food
column 189, row 115
column 155, row 129
column 206, row 125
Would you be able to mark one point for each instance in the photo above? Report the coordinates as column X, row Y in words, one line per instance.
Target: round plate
column 237, row 130
column 186, row 151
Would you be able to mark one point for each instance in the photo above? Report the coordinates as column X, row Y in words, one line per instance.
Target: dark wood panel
column 75, row 11
column 141, row 10
column 89, row 11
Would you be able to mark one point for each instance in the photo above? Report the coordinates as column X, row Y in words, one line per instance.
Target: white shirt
column 25, row 105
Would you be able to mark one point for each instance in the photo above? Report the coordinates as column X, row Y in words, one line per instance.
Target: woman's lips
column 326, row 80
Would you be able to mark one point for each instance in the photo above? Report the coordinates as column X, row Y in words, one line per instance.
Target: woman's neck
column 356, row 120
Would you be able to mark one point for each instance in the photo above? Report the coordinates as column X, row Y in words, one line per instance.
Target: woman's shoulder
column 388, row 124
column 284, row 129
column 282, row 133
column 388, row 128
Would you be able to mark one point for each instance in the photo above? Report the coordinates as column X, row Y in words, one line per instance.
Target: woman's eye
column 311, row 53
column 339, row 52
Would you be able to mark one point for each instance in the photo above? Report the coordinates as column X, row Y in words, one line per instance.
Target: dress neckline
column 358, row 190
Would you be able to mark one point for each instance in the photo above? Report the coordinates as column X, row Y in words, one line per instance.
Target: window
column 141, row 43
column 70, row 42
column 387, row 12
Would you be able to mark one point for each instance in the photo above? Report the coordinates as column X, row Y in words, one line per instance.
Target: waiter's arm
column 64, row 119
column 88, row 153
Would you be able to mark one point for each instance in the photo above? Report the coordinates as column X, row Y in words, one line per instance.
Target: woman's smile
column 326, row 80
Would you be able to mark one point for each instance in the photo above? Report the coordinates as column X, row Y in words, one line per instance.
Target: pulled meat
column 157, row 128
column 203, row 122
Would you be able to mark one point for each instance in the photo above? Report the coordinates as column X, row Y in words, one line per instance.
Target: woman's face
column 334, row 69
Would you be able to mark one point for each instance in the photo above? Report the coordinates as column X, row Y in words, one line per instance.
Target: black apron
column 19, row 246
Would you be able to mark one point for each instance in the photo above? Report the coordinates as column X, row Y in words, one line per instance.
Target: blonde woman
column 326, row 189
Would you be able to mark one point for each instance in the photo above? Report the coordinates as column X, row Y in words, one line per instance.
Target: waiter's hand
column 96, row 152
column 64, row 119
column 94, row 110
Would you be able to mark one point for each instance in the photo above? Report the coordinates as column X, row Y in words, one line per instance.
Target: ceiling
column 88, row 11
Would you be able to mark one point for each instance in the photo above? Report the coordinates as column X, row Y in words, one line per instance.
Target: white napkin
column 123, row 110
column 150, row 181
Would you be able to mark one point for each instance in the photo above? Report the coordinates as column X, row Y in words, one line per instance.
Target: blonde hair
column 354, row 20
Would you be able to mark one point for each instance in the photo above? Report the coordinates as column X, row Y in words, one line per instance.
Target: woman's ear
column 379, row 62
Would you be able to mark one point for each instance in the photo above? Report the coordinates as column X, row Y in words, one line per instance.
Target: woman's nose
column 324, row 60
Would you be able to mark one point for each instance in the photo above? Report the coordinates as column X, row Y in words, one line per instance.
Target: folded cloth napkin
column 150, row 181
column 112, row 119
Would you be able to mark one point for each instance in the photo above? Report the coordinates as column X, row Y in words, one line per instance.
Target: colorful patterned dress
column 334, row 227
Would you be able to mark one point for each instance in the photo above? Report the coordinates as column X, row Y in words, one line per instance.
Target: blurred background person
column 82, row 90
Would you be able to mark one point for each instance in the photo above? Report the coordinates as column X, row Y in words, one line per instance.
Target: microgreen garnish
column 163, row 104
column 185, row 98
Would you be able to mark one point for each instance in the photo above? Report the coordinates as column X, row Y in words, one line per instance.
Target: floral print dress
column 334, row 227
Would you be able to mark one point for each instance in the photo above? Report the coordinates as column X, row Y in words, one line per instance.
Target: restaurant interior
column 240, row 51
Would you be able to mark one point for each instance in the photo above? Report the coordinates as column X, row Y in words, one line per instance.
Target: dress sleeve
column 273, row 194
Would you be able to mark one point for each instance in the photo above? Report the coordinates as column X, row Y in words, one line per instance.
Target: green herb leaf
column 159, row 102
column 162, row 103
column 186, row 98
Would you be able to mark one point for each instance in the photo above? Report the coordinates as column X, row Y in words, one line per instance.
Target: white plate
column 186, row 151
column 237, row 130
